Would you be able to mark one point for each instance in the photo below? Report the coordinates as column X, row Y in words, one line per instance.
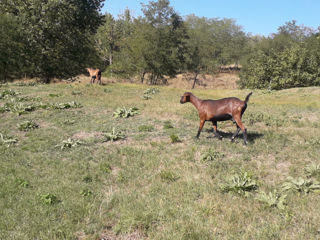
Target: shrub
column 294, row 66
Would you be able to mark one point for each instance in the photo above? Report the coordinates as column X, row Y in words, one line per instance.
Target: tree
column 106, row 39
column 12, row 47
column 58, row 32
column 211, row 43
column 164, row 36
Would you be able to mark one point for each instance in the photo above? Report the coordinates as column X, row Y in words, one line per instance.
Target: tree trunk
column 142, row 76
column 110, row 59
column 195, row 80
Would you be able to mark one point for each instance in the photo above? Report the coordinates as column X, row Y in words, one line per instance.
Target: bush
column 295, row 66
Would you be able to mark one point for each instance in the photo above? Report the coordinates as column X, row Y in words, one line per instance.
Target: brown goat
column 219, row 110
column 94, row 74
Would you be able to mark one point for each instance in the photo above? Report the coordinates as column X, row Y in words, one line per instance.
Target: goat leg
column 245, row 136
column 215, row 131
column 200, row 128
column 235, row 134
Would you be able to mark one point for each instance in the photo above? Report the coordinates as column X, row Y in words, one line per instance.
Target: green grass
column 144, row 186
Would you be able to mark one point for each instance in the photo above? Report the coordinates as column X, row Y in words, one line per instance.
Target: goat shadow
column 252, row 136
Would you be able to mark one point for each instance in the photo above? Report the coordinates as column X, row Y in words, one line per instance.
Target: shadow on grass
column 252, row 136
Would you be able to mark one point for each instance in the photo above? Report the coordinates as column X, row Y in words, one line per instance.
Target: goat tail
column 247, row 97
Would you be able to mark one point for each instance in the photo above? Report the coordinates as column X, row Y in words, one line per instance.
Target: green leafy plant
column 26, row 84
column 313, row 142
column 107, row 90
column 168, row 176
column 211, row 155
column 69, row 122
column 240, row 183
column 174, row 138
column 301, row 185
column 87, row 179
column 125, row 113
column 68, row 105
column 312, row 170
column 272, row 199
column 85, row 192
column 146, row 128
column 146, row 97
column 25, row 99
column 48, row 199
column 122, row 177
column 7, row 92
column 18, row 108
column 106, row 168
column 5, row 139
column 22, row 183
column 114, row 135
column 149, row 91
column 69, row 143
column 54, row 95
column 76, row 92
column 27, row 126
column 167, row 125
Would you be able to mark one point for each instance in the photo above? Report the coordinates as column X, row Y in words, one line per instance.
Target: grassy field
column 63, row 178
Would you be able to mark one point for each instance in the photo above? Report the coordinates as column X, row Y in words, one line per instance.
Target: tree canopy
column 58, row 33
column 58, row 39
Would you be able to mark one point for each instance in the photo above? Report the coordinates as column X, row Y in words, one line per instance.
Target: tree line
column 59, row 39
